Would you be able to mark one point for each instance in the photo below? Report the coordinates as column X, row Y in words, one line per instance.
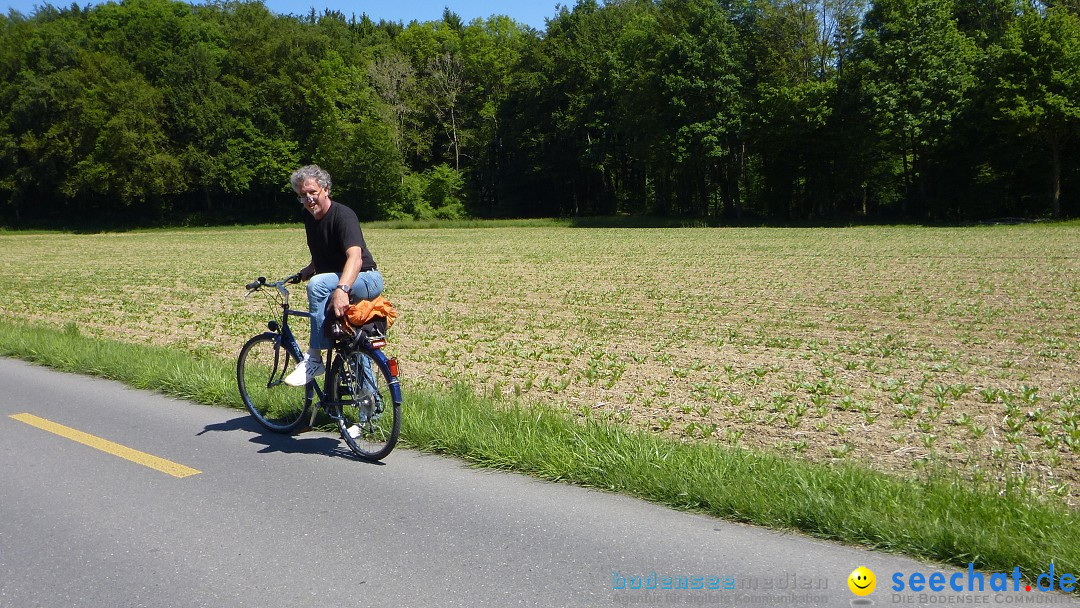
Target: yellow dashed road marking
column 147, row 460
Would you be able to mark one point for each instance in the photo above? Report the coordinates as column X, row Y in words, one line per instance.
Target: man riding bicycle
column 341, row 264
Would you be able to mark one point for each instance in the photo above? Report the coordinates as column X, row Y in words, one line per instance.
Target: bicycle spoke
column 260, row 367
column 370, row 421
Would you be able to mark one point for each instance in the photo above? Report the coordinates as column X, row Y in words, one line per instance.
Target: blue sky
column 529, row 12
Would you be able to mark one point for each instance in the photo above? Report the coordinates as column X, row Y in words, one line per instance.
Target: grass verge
column 938, row 519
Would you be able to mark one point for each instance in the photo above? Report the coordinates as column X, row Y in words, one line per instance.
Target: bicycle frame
column 283, row 337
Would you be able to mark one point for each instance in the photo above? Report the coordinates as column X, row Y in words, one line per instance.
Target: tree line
column 778, row 110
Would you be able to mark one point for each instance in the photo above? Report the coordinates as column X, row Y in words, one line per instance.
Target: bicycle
column 360, row 389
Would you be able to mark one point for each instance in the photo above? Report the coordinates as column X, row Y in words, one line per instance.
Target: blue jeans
column 367, row 286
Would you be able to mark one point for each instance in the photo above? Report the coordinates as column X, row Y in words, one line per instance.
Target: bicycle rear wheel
column 262, row 364
column 370, row 421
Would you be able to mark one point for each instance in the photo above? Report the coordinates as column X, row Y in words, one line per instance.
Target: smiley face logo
column 861, row 581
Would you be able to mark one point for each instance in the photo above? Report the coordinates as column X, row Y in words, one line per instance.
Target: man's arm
column 307, row 271
column 353, row 262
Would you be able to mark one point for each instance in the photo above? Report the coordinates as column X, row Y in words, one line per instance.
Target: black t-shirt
column 329, row 237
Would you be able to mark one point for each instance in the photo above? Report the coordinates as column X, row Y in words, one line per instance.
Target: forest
column 154, row 112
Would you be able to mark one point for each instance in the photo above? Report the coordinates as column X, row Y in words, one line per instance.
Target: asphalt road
column 272, row 520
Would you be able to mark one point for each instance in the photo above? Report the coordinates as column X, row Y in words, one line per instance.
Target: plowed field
column 953, row 350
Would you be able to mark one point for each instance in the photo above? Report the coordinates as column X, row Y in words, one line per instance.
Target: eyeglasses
column 304, row 198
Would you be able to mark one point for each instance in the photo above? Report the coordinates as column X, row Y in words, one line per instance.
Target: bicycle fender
column 395, row 386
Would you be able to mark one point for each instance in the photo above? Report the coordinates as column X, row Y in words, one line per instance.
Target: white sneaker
column 307, row 370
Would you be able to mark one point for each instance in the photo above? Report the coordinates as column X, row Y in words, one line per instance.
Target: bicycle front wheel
column 262, row 364
column 369, row 421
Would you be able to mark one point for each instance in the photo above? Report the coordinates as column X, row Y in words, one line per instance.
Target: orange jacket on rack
column 366, row 310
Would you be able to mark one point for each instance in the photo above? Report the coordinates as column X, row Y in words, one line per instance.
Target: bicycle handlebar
column 261, row 281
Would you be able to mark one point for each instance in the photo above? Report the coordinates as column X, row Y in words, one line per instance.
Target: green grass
column 938, row 520
column 637, row 221
column 175, row 373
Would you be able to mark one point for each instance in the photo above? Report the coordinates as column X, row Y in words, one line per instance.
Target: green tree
column 702, row 83
column 985, row 21
column 444, row 94
column 563, row 114
column 350, row 139
column 795, row 62
column 395, row 81
column 791, row 134
column 434, row 194
column 124, row 152
column 1037, row 90
column 434, row 51
column 917, row 71
column 492, row 51
column 40, row 56
column 85, row 126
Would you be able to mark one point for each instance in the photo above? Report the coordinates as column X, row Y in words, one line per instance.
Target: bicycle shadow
column 313, row 443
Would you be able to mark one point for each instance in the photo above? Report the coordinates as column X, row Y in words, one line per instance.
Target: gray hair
column 307, row 172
